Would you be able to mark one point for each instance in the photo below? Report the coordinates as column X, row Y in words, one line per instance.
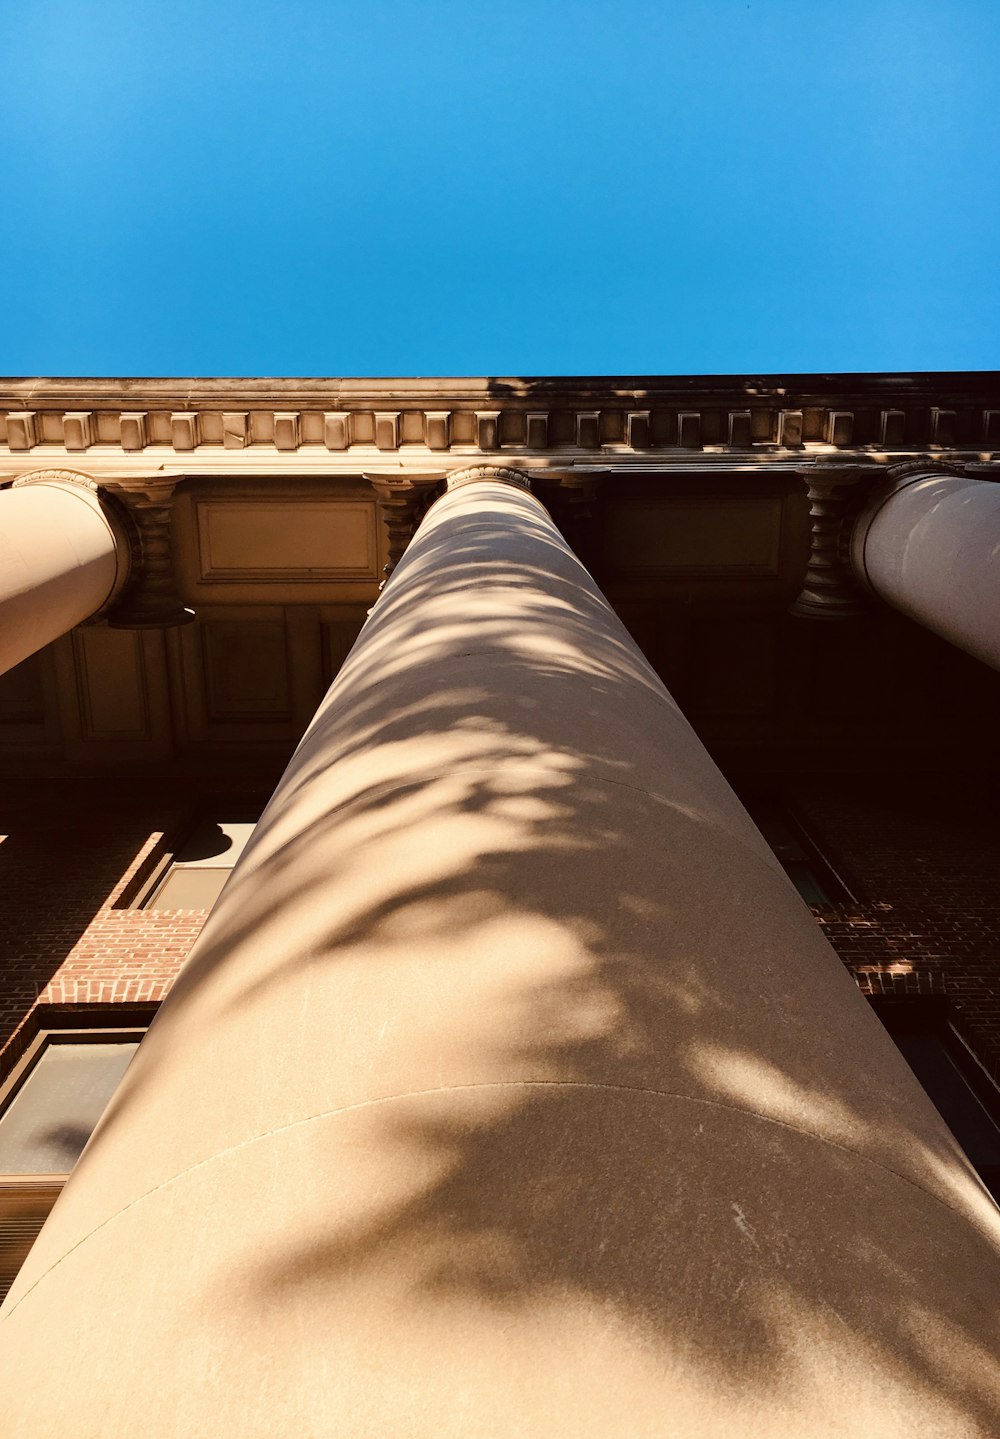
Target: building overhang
column 134, row 427
column 274, row 508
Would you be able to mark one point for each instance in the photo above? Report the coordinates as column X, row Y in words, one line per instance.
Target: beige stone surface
column 518, row 1260
column 930, row 546
column 511, row 1089
column 60, row 561
column 286, row 540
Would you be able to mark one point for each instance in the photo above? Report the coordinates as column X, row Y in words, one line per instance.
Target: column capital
column 889, row 483
column 115, row 516
column 57, row 477
column 925, row 542
column 897, row 476
column 403, row 500
column 495, row 474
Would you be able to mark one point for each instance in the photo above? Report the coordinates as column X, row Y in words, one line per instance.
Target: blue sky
column 533, row 187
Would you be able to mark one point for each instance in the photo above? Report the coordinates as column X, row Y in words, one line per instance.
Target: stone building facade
column 808, row 563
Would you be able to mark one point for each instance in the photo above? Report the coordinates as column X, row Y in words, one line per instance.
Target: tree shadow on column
column 515, row 927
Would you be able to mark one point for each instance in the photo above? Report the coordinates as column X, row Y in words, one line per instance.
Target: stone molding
column 151, row 599
column 402, row 503
column 145, row 594
column 57, row 477
column 495, row 474
column 630, row 417
column 118, row 519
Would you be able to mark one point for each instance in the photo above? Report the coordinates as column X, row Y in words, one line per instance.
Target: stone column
column 929, row 544
column 511, row 1090
column 63, row 557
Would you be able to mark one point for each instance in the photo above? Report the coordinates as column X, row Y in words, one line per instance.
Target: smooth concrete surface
column 930, row 546
column 511, row 1090
column 60, row 562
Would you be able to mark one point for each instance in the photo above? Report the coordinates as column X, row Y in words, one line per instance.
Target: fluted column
column 510, row 1090
column 929, row 545
column 63, row 557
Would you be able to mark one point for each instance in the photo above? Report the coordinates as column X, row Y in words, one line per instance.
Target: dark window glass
column 807, row 871
column 53, row 1114
column 962, row 1094
column 959, row 1106
column 51, row 1104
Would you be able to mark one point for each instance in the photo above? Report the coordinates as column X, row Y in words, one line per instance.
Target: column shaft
column 511, row 1090
column 930, row 546
column 60, row 562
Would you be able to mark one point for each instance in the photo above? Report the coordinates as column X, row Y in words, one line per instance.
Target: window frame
column 72, row 1028
column 26, row 1200
column 238, row 808
column 827, row 876
column 934, row 1016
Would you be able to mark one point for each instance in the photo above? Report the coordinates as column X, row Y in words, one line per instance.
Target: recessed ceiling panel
column 695, row 537
column 294, row 540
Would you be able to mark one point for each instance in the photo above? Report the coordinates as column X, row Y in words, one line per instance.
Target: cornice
column 310, row 390
column 201, row 423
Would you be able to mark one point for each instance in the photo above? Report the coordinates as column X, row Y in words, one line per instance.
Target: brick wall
column 922, row 860
column 69, row 851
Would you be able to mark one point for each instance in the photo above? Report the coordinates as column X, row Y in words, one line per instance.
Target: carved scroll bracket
column 572, row 498
column 150, row 600
column 403, row 500
column 830, row 590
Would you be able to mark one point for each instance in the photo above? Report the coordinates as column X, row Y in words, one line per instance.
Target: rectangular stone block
column 184, row 432
column 790, row 429
column 234, row 429
column 286, row 430
column 740, row 429
column 943, row 427
column 689, row 430
column 588, row 429
column 488, row 429
column 387, row 430
column 21, row 434
column 637, row 429
column 892, row 429
column 691, row 537
column 840, row 427
column 336, row 430
column 438, row 429
column 300, row 540
column 133, row 430
column 536, row 432
column 78, row 430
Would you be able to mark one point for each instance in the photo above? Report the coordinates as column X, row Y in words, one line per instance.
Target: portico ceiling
column 272, row 509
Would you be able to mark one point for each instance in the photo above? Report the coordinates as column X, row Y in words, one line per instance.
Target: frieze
column 623, row 418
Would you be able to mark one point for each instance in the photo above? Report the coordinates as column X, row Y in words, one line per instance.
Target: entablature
column 327, row 424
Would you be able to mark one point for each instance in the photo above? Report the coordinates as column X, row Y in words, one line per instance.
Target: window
column 964, row 1095
column 49, row 1107
column 809, row 871
column 192, row 876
